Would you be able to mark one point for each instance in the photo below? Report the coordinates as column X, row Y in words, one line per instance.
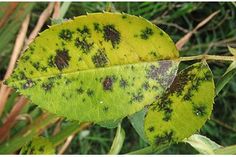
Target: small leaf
column 37, row 146
column 228, row 75
column 229, row 150
column 97, row 67
column 137, row 121
column 118, row 141
column 184, row 108
column 232, row 50
column 202, row 144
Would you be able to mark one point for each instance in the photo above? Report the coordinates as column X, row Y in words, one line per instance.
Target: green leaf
column 97, row 67
column 232, row 50
column 137, row 121
column 183, row 109
column 228, row 75
column 118, row 141
column 37, row 146
column 202, row 144
column 229, row 150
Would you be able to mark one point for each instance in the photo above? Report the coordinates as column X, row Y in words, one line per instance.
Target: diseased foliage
column 184, row 108
column 37, row 146
column 97, row 67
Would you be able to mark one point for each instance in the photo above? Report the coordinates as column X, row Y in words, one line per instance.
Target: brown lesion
column 166, row 138
column 62, row 59
column 100, row 58
column 111, row 34
column 146, row 33
column 84, row 45
column 65, row 34
column 107, row 83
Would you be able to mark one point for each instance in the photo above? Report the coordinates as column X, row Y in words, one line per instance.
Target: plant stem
column 208, row 57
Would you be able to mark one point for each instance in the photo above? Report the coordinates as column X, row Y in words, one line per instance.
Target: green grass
column 213, row 38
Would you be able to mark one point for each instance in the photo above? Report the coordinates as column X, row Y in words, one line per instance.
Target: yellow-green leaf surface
column 97, row 67
column 184, row 108
column 38, row 145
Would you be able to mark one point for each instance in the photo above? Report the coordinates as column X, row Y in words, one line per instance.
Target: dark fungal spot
column 153, row 53
column 199, row 110
column 105, row 108
column 29, row 83
column 80, row 90
column 65, row 34
column 84, row 31
column 25, row 58
column 146, row 33
column 164, row 139
column 21, row 76
column 151, row 129
column 145, row 85
column 107, row 83
column 111, row 34
column 100, row 58
column 62, row 59
column 50, row 61
column 97, row 27
column 90, row 92
column 47, row 86
column 137, row 97
column 83, row 45
column 36, row 65
column 123, row 83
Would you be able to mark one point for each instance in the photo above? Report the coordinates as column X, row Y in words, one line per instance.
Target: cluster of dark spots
column 151, row 129
column 36, row 65
column 132, row 67
column 83, row 100
column 153, row 53
column 29, row 83
column 111, row 34
column 100, row 58
column 90, row 92
column 47, row 86
column 25, row 58
column 84, row 31
column 123, row 83
column 107, row 83
column 164, row 139
column 146, row 33
column 145, row 85
column 208, row 76
column 97, row 27
column 68, row 81
column 199, row 110
column 159, row 73
column 62, row 58
column 80, row 90
column 105, row 108
column 21, row 75
column 83, row 45
column 137, row 97
column 65, row 34
column 51, row 61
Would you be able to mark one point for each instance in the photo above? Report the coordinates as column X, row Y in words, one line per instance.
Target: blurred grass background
column 176, row 19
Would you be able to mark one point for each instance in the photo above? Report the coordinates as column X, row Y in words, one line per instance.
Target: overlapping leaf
column 184, row 108
column 38, row 145
column 97, row 67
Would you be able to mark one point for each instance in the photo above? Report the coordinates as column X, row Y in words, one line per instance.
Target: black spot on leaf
column 100, row 58
column 62, row 59
column 123, row 83
column 146, row 33
column 97, row 27
column 80, row 90
column 29, row 83
column 47, row 86
column 164, row 139
column 111, row 34
column 90, row 92
column 199, row 110
column 107, row 83
column 84, row 45
column 84, row 31
column 65, row 34
column 151, row 129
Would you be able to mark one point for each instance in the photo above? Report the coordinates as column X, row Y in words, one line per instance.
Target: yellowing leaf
column 97, row 67
column 184, row 108
column 38, row 145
